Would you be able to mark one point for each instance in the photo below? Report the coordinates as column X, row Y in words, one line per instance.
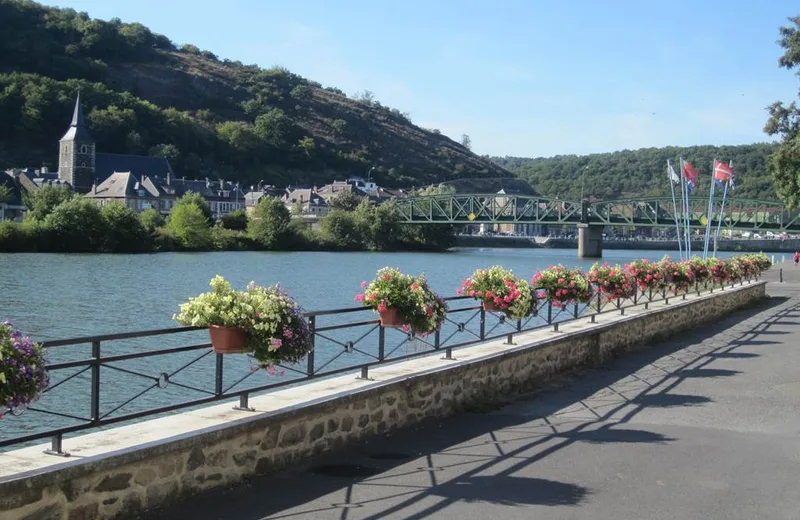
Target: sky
column 528, row 78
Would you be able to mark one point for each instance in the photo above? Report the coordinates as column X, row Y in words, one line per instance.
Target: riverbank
column 744, row 246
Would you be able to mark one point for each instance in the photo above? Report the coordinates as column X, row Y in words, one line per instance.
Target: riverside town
column 422, row 268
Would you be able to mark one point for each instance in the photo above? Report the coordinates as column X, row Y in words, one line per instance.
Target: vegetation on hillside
column 784, row 121
column 636, row 173
column 210, row 117
column 58, row 221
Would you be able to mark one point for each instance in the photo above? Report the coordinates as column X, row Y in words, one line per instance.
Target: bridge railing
column 101, row 381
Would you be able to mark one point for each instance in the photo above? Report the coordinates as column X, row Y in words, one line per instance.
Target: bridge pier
column 590, row 241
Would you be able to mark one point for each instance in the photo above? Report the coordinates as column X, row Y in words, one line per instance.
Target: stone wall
column 123, row 484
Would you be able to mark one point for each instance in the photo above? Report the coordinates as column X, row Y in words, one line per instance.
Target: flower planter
column 491, row 307
column 228, row 340
column 391, row 318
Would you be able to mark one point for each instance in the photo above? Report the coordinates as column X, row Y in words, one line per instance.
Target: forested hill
column 211, row 117
column 632, row 173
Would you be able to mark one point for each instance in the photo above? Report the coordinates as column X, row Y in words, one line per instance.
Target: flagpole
column 710, row 213
column 686, row 217
column 671, row 179
column 722, row 210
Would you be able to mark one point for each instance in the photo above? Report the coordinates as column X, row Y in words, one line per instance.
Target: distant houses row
column 143, row 182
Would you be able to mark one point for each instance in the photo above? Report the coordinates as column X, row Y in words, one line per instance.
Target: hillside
column 631, row 173
column 210, row 117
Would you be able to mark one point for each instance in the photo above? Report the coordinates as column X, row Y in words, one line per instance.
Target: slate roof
column 77, row 128
column 139, row 165
column 119, row 185
column 304, row 195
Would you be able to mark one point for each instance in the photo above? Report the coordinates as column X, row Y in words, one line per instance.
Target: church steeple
column 76, row 153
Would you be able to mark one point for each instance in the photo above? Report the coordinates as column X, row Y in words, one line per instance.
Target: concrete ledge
column 120, row 472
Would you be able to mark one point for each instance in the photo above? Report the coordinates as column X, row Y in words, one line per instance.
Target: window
column 84, row 148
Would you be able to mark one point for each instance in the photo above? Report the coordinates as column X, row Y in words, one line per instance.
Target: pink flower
column 287, row 333
column 459, row 291
column 387, row 276
column 561, row 280
column 382, row 307
column 406, row 327
column 359, row 297
column 414, row 286
column 276, row 343
column 363, row 285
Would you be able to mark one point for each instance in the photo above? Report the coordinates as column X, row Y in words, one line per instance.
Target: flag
column 722, row 172
column 689, row 186
column 689, row 172
column 672, row 175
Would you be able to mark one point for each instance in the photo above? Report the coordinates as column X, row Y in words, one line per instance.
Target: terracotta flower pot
column 391, row 318
column 228, row 340
column 490, row 306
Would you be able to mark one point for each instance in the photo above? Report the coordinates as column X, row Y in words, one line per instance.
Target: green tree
column 170, row 151
column 75, row 226
column 235, row 220
column 301, row 93
column 275, row 127
column 466, row 142
column 345, row 201
column 269, row 223
column 42, row 202
column 785, row 121
column 189, row 226
column 341, row 231
column 379, row 226
column 339, row 127
column 124, row 232
column 5, row 193
column 308, row 146
column 191, row 197
column 151, row 220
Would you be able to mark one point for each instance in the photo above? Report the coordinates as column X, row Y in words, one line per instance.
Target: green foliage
column 500, row 289
column 639, row 173
column 340, row 230
column 235, row 220
column 269, row 223
column 189, row 225
column 345, row 201
column 231, row 240
column 76, row 226
column 124, row 232
column 196, row 199
column 151, row 220
column 41, row 202
column 785, row 121
column 5, row 193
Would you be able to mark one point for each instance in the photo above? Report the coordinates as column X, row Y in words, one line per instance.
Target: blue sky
column 520, row 77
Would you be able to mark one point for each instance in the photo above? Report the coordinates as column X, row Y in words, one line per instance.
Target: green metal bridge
column 740, row 214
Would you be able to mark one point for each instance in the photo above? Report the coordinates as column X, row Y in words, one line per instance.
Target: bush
column 12, row 237
column 269, row 223
column 75, row 226
column 235, row 220
column 151, row 220
column 190, row 227
column 124, row 230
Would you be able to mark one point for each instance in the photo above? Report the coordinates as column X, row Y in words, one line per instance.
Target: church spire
column 77, row 115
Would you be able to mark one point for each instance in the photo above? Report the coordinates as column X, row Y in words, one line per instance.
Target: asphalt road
column 703, row 426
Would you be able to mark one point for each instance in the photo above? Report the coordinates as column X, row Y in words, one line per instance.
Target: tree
column 43, row 201
column 5, row 193
column 274, row 126
column 785, row 121
column 75, row 226
column 345, row 201
column 466, row 142
column 191, row 197
column 151, row 220
column 339, row 127
column 189, row 225
column 124, row 232
column 235, row 220
column 307, row 145
column 301, row 93
column 270, row 222
column 340, row 230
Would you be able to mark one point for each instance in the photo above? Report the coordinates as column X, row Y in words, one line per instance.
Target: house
column 146, row 192
column 254, row 196
column 331, row 191
column 11, row 205
column 308, row 200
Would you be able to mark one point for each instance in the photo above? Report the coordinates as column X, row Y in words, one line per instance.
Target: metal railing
column 94, row 369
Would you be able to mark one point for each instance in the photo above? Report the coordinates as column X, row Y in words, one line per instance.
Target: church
column 82, row 167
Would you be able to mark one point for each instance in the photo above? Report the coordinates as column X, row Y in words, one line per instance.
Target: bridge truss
column 741, row 214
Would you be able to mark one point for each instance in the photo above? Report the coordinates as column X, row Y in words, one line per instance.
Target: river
column 59, row 296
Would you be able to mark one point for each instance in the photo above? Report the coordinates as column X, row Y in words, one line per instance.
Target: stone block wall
column 121, row 485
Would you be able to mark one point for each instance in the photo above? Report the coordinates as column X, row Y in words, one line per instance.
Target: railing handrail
column 544, row 314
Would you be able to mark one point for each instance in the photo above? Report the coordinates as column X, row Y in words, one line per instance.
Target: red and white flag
column 689, row 172
column 722, row 172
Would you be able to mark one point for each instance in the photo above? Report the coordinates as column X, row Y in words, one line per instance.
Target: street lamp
column 583, row 177
column 369, row 173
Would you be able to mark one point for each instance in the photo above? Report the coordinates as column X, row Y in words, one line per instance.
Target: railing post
column 218, row 376
column 312, row 325
column 95, row 405
column 243, row 405
column 436, row 342
column 483, row 323
column 781, row 274
column 382, row 342
column 55, row 446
